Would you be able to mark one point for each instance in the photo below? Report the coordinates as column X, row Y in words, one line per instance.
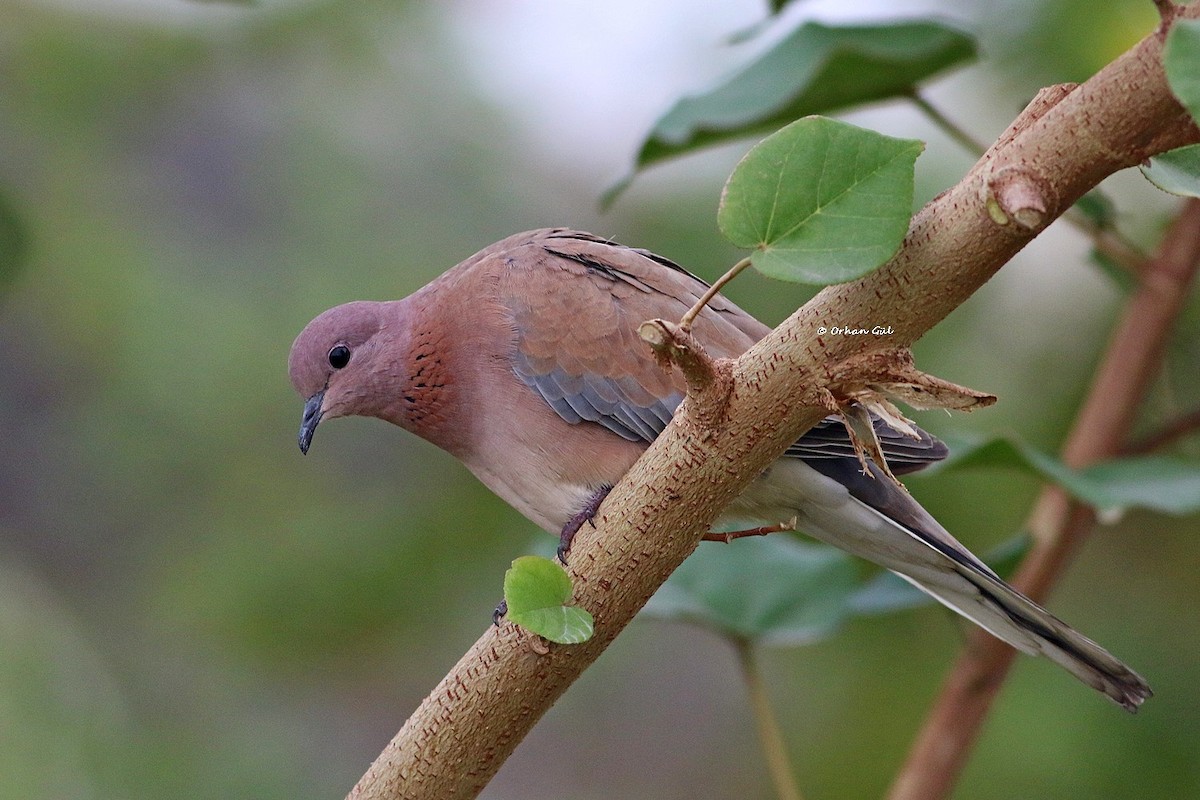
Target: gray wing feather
column 604, row 401
column 623, row 407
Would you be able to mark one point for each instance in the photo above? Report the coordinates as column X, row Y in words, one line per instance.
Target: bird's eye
column 339, row 356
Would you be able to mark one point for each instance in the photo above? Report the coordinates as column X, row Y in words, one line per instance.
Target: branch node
column 1167, row 11
column 709, row 380
column 1017, row 195
column 868, row 382
column 891, row 372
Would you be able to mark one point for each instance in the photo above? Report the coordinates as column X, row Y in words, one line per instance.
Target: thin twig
column 1059, row 525
column 1166, row 11
column 1109, row 242
column 774, row 748
column 686, row 321
column 766, row 530
column 947, row 125
column 1168, row 434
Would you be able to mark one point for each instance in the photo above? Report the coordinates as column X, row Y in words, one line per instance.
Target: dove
column 524, row 363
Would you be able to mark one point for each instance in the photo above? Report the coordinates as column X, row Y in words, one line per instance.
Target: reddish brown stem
column 1170, row 433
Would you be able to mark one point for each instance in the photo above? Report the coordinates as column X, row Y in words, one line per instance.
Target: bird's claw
column 586, row 514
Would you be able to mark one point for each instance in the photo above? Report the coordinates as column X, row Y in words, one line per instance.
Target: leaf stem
column 769, row 732
column 686, row 321
column 946, row 125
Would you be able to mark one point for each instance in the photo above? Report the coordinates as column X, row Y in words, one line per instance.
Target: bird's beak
column 312, row 415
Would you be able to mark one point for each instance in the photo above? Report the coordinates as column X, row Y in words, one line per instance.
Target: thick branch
column 460, row 735
column 1058, row 524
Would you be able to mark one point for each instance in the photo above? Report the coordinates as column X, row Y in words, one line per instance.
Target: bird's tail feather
column 1011, row 616
column 873, row 518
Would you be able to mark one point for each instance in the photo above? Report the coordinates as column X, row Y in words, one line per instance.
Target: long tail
column 1011, row 616
column 877, row 520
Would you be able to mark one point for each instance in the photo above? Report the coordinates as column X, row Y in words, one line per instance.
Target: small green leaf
column 1181, row 60
column 821, row 201
column 536, row 590
column 1176, row 171
column 888, row 593
column 775, row 590
column 814, row 70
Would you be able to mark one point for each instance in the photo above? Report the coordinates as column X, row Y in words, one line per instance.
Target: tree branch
column 457, row 739
column 1058, row 524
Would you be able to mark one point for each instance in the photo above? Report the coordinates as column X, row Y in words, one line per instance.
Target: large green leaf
column 816, row 69
column 536, row 590
column 1158, row 483
column 820, row 201
column 1176, row 171
column 772, row 590
column 1181, row 60
column 1165, row 484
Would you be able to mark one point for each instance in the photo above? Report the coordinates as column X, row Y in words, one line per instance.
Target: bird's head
column 334, row 364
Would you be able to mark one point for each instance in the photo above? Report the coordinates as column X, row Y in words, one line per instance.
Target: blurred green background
column 188, row 608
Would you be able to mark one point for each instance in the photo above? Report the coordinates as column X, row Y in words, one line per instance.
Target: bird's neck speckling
column 426, row 401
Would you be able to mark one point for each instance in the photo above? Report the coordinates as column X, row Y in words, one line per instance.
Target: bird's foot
column 586, row 514
column 498, row 614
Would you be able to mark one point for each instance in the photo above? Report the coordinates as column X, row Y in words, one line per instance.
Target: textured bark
column 1068, row 141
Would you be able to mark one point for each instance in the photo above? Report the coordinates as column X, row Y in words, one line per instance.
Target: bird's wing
column 576, row 301
column 828, row 441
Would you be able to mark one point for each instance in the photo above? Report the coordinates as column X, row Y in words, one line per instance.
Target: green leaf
column 822, row 201
column 1176, row 171
column 1156, row 483
column 1181, row 60
column 774, row 589
column 1098, row 208
column 888, row 593
column 536, row 590
column 1159, row 483
column 816, row 69
column 1003, row 452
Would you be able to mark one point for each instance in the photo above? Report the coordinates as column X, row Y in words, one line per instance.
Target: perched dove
column 524, row 363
